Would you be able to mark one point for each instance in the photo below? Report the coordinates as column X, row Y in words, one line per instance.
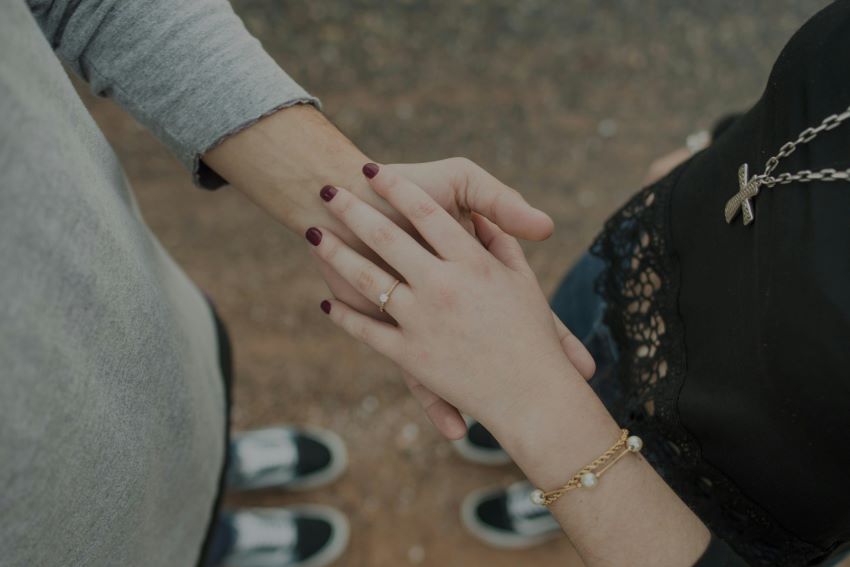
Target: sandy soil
column 566, row 101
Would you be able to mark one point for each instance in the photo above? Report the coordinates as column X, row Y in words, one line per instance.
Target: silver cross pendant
column 748, row 188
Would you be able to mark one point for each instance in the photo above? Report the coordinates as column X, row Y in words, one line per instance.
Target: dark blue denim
column 582, row 310
column 222, row 539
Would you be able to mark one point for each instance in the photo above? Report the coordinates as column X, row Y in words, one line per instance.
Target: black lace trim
column 641, row 288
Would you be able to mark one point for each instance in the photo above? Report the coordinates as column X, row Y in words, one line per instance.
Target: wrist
column 283, row 160
column 556, row 430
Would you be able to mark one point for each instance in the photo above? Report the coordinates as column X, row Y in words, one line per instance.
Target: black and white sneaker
column 479, row 446
column 294, row 458
column 297, row 536
column 507, row 518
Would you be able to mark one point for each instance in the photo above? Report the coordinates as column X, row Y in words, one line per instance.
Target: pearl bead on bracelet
column 588, row 477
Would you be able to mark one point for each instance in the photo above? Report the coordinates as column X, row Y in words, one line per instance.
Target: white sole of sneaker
column 494, row 538
column 473, row 454
column 339, row 461
column 332, row 550
column 478, row 456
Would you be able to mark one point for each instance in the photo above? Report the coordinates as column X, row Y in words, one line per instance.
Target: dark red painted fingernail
column 314, row 236
column 328, row 192
column 326, row 306
column 370, row 170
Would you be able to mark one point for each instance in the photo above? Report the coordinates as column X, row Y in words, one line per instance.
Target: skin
column 281, row 161
column 472, row 325
column 665, row 164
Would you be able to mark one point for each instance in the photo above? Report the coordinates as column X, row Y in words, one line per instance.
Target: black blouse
column 735, row 340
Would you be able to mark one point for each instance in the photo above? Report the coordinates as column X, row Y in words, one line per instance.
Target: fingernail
column 326, row 306
column 314, row 236
column 370, row 170
column 328, row 192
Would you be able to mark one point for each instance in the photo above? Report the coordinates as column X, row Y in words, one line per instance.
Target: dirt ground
column 568, row 101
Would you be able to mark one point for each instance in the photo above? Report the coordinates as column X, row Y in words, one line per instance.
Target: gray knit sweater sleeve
column 186, row 69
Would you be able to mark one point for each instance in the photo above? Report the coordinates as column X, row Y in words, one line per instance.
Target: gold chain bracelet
column 588, row 477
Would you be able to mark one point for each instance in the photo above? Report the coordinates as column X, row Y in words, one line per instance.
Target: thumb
column 499, row 244
column 575, row 350
column 482, row 193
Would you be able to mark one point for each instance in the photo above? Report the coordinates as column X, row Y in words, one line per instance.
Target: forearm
column 188, row 70
column 282, row 161
column 631, row 517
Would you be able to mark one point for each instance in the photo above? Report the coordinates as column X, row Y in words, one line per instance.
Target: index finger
column 383, row 236
column 441, row 230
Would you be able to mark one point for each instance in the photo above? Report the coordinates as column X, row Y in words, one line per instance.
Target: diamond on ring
column 384, row 298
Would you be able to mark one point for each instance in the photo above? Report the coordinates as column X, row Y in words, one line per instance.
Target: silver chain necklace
column 749, row 188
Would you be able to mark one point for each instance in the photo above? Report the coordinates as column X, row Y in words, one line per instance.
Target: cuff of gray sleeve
column 204, row 177
column 188, row 70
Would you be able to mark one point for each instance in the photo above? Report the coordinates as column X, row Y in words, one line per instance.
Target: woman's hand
column 474, row 328
column 459, row 186
column 473, row 324
column 462, row 188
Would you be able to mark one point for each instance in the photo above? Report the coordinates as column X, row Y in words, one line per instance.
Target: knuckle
column 355, row 327
column 462, row 162
column 344, row 204
column 383, row 234
column 422, row 210
column 390, row 182
column 496, row 203
column 330, row 250
column 364, row 282
column 387, row 184
column 362, row 332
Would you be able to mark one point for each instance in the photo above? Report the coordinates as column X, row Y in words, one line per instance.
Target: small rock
column 607, row 128
column 586, row 199
column 404, row 111
column 257, row 313
column 408, row 435
column 370, row 506
column 416, row 554
column 369, row 405
column 404, row 499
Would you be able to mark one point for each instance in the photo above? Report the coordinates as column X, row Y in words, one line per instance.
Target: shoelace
column 255, row 531
column 264, row 451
